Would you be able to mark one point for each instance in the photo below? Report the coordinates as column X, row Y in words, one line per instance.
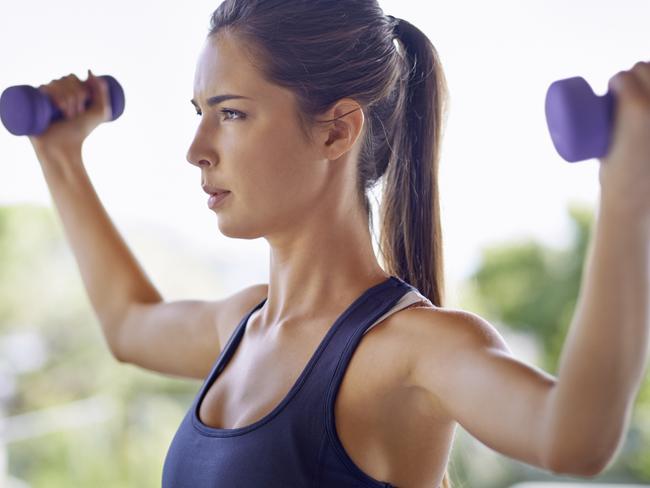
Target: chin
column 235, row 231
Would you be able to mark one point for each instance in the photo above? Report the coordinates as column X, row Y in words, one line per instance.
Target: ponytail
column 410, row 230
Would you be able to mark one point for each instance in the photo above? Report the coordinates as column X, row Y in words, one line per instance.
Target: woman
column 342, row 371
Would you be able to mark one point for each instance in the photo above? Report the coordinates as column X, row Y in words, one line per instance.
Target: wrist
column 60, row 162
column 626, row 212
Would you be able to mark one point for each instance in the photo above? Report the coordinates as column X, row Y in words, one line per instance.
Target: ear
column 341, row 127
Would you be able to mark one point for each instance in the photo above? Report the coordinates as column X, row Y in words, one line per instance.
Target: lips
column 215, row 200
column 213, row 190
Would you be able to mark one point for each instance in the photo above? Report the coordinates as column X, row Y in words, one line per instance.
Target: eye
column 227, row 112
column 234, row 112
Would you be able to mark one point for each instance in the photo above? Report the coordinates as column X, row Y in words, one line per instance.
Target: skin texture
column 298, row 195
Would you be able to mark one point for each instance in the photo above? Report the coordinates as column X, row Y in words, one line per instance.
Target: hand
column 625, row 172
column 69, row 95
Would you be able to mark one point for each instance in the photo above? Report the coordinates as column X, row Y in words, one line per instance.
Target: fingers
column 62, row 96
column 75, row 93
column 633, row 85
column 642, row 71
column 68, row 93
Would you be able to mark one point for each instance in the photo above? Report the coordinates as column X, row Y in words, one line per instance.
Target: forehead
column 224, row 67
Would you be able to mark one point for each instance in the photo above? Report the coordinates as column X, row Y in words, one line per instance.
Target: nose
column 198, row 156
column 201, row 163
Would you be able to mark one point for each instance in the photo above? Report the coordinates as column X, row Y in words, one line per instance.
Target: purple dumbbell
column 25, row 110
column 580, row 122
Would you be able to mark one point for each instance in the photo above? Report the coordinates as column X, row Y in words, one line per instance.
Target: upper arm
column 182, row 338
column 466, row 366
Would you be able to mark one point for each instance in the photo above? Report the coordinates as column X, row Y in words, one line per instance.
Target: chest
column 386, row 427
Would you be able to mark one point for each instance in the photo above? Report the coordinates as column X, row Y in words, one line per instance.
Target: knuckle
column 624, row 80
column 641, row 68
column 624, row 76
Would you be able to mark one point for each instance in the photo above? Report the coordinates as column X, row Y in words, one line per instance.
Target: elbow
column 118, row 357
column 586, row 464
column 583, row 469
column 116, row 352
column 584, row 452
column 113, row 342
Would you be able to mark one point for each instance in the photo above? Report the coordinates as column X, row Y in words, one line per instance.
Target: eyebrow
column 220, row 98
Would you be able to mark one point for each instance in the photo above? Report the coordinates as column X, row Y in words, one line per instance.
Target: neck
column 320, row 272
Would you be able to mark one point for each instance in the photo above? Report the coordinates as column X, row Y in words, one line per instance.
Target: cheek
column 281, row 192
column 278, row 179
column 273, row 166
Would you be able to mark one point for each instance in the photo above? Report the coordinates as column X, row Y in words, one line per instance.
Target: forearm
column 112, row 276
column 605, row 353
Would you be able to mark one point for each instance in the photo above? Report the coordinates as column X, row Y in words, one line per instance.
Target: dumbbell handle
column 579, row 121
column 25, row 110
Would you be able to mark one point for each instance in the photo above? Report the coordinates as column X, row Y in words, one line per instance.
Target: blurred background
column 516, row 218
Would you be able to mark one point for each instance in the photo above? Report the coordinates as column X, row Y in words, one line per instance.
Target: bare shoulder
column 459, row 360
column 449, row 329
column 235, row 306
column 434, row 339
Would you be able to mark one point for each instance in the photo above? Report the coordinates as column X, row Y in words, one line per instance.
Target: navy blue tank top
column 296, row 444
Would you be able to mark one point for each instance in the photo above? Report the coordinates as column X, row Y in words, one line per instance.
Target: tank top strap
column 229, row 348
column 337, row 349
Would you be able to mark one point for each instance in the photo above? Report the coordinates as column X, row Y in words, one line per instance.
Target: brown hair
column 326, row 50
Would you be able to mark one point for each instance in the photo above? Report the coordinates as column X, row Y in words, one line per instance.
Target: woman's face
column 253, row 147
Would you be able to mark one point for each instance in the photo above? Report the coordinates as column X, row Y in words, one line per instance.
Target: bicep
column 462, row 361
